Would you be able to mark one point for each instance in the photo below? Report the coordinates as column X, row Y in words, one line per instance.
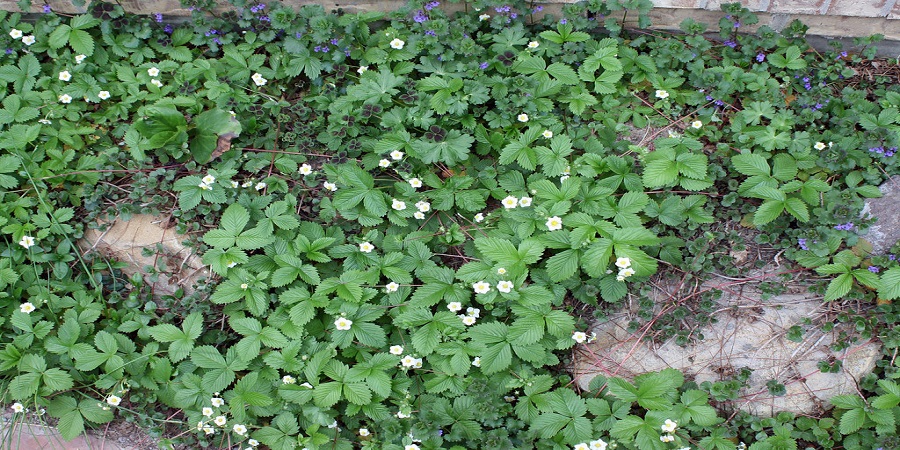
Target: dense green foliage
column 411, row 209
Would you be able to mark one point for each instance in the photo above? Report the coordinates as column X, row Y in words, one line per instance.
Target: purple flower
column 47, row 9
column 158, row 17
column 168, row 29
column 264, row 19
column 802, row 243
column 431, row 5
column 513, row 15
column 9, row 51
column 737, row 24
column 346, row 52
column 334, row 41
column 874, row 269
column 730, row 43
column 483, row 66
column 502, row 9
column 563, row 21
column 217, row 41
column 719, row 103
column 430, row 33
column 760, row 57
column 842, row 55
column 538, row 8
column 420, row 17
column 892, row 257
column 709, row 98
column 298, row 35
column 844, row 227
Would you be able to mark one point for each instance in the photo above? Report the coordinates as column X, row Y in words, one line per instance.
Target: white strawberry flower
column 65, row 98
column 477, row 361
column 481, row 287
column 510, row 202
column 398, row 204
column 362, row 69
column 423, row 206
column 669, row 426
column 522, row 117
column 397, row 44
column 396, row 350
column 547, row 134
column 114, row 400
column 454, row 306
column 533, row 44
column 17, row 408
column 80, row 59
column 479, row 217
column 27, row 307
column 623, row 262
column 366, row 247
column 330, row 186
column 15, row 34
column 65, row 75
column 220, row 421
column 207, row 411
column 305, row 169
column 287, row 379
column 384, row 163
column 392, row 287
column 27, row 242
column 343, row 323
column 579, row 337
column 554, row 223
column 153, row 71
column 396, row 155
column 697, row 124
column 419, row 215
column 415, row 182
column 468, row 320
column 505, row 286
column 28, row 40
column 662, row 93
column 104, row 95
column 525, row 202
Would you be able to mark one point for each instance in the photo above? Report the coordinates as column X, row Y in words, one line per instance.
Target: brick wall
column 826, row 18
column 855, row 8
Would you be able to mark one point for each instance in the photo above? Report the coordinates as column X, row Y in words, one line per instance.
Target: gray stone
column 886, row 230
column 750, row 332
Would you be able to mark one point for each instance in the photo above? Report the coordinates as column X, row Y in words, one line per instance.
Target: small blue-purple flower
column 892, row 257
column 47, row 9
column 483, row 66
column 168, row 29
column 730, row 43
column 760, row 57
column 538, row 9
column 737, row 24
column 420, row 17
column 430, row 33
column 563, row 21
column 431, row 5
column 802, row 243
column 158, row 17
column 874, row 269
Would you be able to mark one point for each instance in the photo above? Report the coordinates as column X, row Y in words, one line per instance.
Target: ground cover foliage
column 403, row 210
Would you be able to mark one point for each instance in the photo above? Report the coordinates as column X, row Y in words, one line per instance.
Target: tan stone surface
column 126, row 241
column 750, row 332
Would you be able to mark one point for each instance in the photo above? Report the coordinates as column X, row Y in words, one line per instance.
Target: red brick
column 676, row 3
column 859, row 8
column 797, row 6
